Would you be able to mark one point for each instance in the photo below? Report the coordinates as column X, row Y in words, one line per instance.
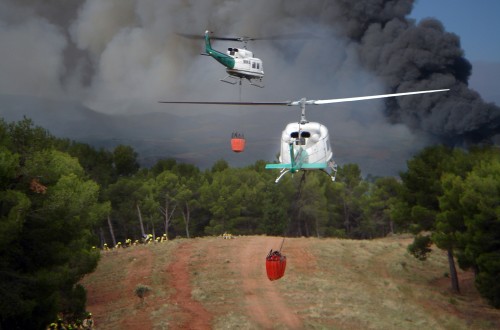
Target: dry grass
column 329, row 284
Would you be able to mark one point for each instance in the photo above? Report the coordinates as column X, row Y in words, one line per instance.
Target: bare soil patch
column 264, row 302
column 190, row 313
column 213, row 283
column 111, row 297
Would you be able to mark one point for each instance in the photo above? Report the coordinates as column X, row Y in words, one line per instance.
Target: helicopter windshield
column 302, row 139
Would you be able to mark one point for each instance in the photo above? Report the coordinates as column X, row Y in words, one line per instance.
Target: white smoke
column 121, row 56
column 99, row 21
column 31, row 58
column 138, row 56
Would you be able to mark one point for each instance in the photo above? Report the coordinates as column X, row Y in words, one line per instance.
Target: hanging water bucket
column 237, row 142
column 275, row 265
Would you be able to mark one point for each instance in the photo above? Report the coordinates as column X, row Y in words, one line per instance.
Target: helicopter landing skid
column 254, row 84
column 333, row 172
column 283, row 172
column 333, row 166
column 234, row 80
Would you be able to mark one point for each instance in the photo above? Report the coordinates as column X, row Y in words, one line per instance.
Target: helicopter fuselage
column 311, row 144
column 239, row 62
column 305, row 146
column 245, row 65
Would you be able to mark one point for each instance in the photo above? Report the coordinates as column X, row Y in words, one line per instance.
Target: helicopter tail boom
column 222, row 58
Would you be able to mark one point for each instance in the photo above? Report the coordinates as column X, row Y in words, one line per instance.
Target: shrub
column 141, row 291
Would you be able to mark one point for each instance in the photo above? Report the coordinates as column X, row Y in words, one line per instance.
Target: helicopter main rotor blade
column 242, row 39
column 198, row 36
column 289, row 36
column 191, row 36
column 362, row 98
column 227, row 103
column 304, row 101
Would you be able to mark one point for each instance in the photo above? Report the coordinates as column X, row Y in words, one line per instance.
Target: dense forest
column 61, row 201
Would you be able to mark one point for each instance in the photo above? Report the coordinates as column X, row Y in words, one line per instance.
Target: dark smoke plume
column 406, row 57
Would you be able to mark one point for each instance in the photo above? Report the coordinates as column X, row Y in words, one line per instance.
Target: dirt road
column 263, row 306
column 264, row 302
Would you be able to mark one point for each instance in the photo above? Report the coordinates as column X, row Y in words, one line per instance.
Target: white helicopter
column 239, row 62
column 306, row 145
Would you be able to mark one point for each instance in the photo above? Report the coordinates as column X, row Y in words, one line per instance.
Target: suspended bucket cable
column 237, row 142
column 237, row 139
column 275, row 261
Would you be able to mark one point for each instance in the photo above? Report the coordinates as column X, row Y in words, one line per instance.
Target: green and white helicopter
column 305, row 145
column 239, row 62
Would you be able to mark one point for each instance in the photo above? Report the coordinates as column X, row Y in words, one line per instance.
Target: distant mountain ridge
column 62, row 118
column 201, row 140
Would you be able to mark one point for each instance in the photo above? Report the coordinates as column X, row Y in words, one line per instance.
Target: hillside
column 214, row 283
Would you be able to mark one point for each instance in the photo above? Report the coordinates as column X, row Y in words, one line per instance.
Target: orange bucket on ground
column 275, row 265
column 237, row 142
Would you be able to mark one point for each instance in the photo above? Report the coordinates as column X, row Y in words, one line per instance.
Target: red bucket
column 237, row 144
column 275, row 265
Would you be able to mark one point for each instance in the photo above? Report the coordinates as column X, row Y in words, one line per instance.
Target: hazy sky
column 478, row 25
column 476, row 22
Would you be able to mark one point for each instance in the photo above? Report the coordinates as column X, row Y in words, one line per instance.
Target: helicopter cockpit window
column 302, row 139
column 231, row 51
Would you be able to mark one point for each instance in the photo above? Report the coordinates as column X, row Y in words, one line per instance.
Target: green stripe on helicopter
column 278, row 166
column 222, row 58
column 315, row 166
column 297, row 166
column 298, row 160
column 306, row 166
